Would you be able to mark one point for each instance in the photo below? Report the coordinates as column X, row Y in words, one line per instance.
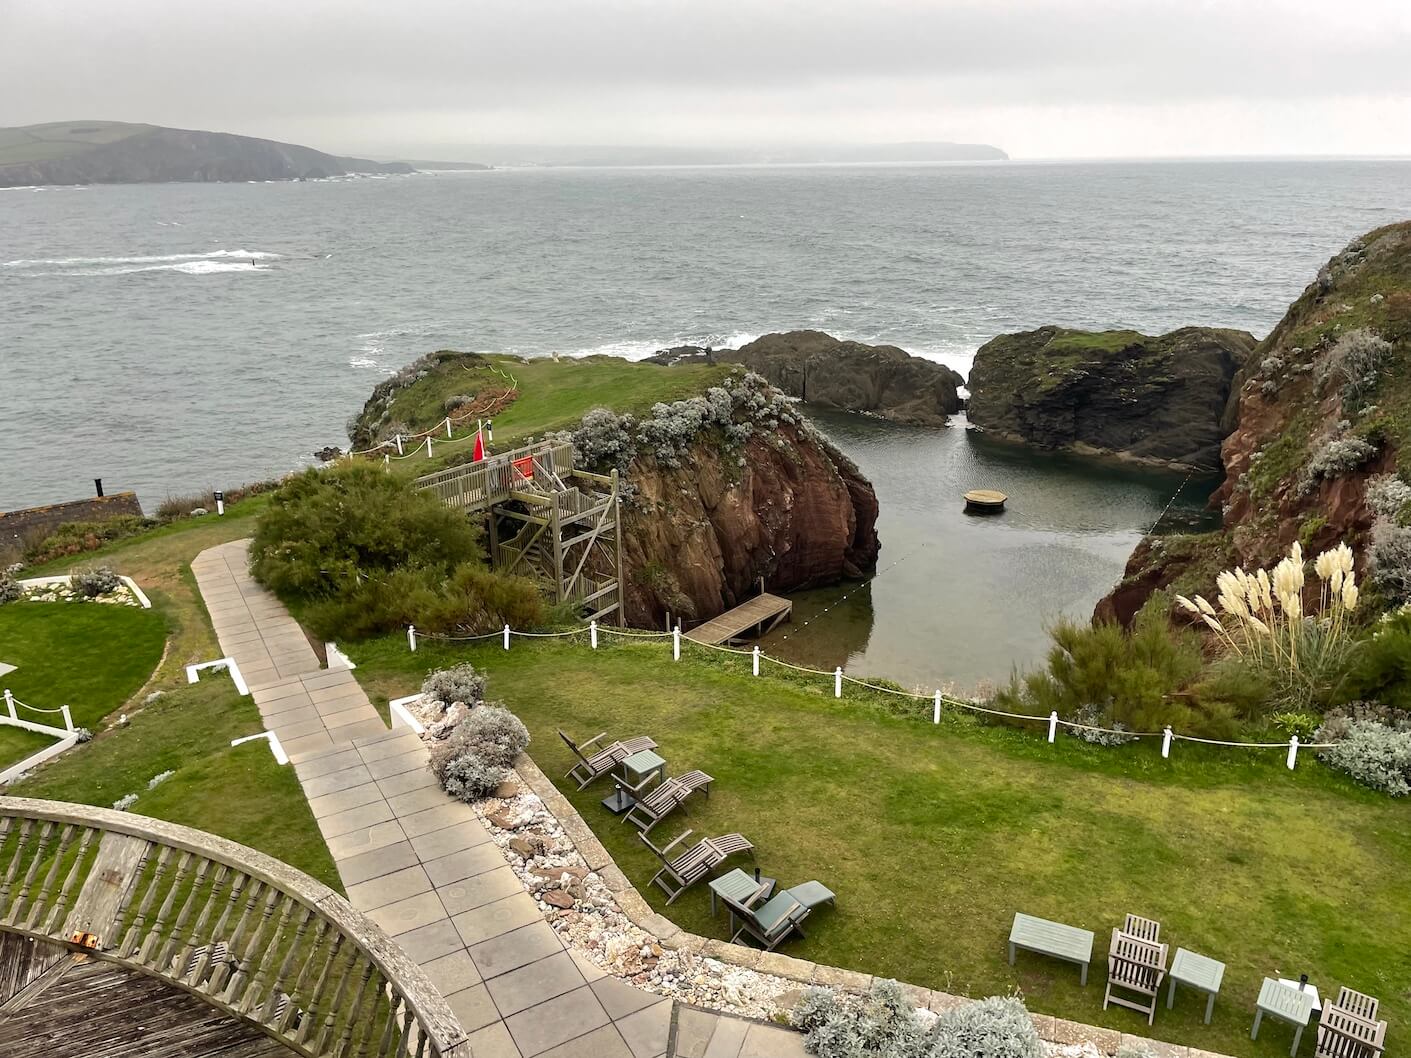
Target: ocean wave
column 190, row 268
column 640, row 350
column 70, row 262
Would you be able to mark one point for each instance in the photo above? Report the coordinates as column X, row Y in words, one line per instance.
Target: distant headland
column 115, row 152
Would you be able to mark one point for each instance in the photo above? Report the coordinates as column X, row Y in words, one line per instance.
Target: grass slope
column 238, row 792
column 933, row 837
column 552, row 395
column 60, row 139
column 89, row 656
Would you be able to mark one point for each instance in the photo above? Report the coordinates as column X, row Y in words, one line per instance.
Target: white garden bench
column 1053, row 939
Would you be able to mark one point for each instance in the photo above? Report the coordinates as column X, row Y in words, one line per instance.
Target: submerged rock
column 1159, row 400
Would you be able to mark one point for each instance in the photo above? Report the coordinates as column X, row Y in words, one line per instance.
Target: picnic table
column 1053, row 939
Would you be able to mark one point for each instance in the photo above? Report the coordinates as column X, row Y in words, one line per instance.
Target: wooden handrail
column 241, row 930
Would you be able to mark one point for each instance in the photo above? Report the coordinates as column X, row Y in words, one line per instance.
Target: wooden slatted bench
column 1053, row 939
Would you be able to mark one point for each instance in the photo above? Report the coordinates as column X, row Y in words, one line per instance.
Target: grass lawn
column 552, row 396
column 238, row 792
column 89, row 656
column 934, row 836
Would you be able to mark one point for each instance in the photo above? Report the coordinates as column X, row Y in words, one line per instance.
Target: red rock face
column 699, row 536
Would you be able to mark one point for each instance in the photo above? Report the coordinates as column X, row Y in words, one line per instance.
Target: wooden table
column 1286, row 1003
column 1054, row 939
column 1196, row 971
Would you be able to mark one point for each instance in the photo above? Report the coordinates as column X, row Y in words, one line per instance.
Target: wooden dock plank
column 98, row 1009
column 762, row 612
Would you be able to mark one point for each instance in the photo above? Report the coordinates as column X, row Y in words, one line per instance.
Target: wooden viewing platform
column 762, row 613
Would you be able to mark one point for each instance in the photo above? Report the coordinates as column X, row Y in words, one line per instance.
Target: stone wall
column 18, row 527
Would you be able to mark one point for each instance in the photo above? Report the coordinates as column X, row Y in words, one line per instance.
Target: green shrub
column 1374, row 755
column 1382, row 666
column 95, row 581
column 460, row 683
column 1304, row 725
column 1100, row 674
column 477, row 755
column 997, row 1027
column 75, row 538
column 360, row 552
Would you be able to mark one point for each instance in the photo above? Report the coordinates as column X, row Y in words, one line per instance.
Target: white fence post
column 593, row 633
column 10, row 704
column 448, row 427
column 1293, row 752
column 1053, row 725
column 755, row 659
column 411, row 637
column 838, row 682
column 936, row 713
column 676, row 643
column 507, row 637
column 386, row 460
column 399, row 446
column 428, row 446
column 1166, row 741
column 68, row 717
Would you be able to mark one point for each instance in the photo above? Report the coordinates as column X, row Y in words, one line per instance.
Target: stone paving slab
column 425, row 868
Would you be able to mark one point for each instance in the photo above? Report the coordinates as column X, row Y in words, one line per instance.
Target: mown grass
column 552, row 396
column 934, row 836
column 238, row 792
column 89, row 656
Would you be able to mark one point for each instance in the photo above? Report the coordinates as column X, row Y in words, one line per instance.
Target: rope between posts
column 948, row 700
column 35, row 708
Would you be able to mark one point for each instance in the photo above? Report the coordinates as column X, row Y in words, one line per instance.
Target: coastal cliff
column 111, row 152
column 1162, row 400
column 789, row 508
column 1320, row 446
column 815, row 367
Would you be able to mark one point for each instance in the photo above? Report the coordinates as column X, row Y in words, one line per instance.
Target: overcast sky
column 1039, row 78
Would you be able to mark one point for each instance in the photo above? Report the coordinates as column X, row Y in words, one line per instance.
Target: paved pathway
column 423, row 866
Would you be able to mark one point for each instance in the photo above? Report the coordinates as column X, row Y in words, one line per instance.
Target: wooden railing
column 245, row 932
column 472, row 486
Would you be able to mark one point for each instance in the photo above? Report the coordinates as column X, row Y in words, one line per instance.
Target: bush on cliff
column 359, row 551
column 1101, row 675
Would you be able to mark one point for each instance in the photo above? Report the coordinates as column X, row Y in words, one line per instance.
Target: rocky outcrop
column 1323, row 408
column 1159, row 400
column 788, row 507
column 817, row 368
column 106, row 152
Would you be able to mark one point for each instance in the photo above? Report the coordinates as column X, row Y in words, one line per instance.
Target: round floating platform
column 985, row 501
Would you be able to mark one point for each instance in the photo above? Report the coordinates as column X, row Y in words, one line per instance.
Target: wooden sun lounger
column 1142, row 928
column 604, row 760
column 687, row 868
column 651, row 808
column 1135, row 965
column 1357, row 1003
column 770, row 923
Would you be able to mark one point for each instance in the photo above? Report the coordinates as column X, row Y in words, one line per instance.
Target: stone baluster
column 261, row 981
column 199, row 934
column 46, row 894
column 236, row 946
column 331, row 1018
column 171, row 948
column 282, row 978
column 27, row 886
column 354, row 1018
column 252, row 952
column 60, row 908
column 310, row 960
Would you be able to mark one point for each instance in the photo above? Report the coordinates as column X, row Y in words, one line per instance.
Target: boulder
column 1161, row 400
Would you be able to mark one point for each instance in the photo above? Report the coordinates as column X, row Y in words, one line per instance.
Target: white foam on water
column 190, row 268
column 365, row 363
column 640, row 350
column 70, row 262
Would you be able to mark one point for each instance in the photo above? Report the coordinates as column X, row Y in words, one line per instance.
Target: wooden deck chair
column 1358, row 1004
column 651, row 808
column 771, row 922
column 1342, row 1034
column 1135, row 965
column 1142, row 928
column 603, row 760
column 686, row 868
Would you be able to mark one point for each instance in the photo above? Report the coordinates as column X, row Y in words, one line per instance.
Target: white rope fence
column 12, row 717
column 938, row 700
column 411, row 445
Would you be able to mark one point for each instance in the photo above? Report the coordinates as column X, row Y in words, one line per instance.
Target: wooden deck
column 86, row 1008
column 756, row 616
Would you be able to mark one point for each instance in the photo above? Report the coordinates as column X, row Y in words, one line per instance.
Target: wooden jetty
column 984, row 501
column 757, row 616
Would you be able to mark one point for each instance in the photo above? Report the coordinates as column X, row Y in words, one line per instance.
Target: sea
column 170, row 338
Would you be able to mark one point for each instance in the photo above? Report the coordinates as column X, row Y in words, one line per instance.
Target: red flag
column 479, row 452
